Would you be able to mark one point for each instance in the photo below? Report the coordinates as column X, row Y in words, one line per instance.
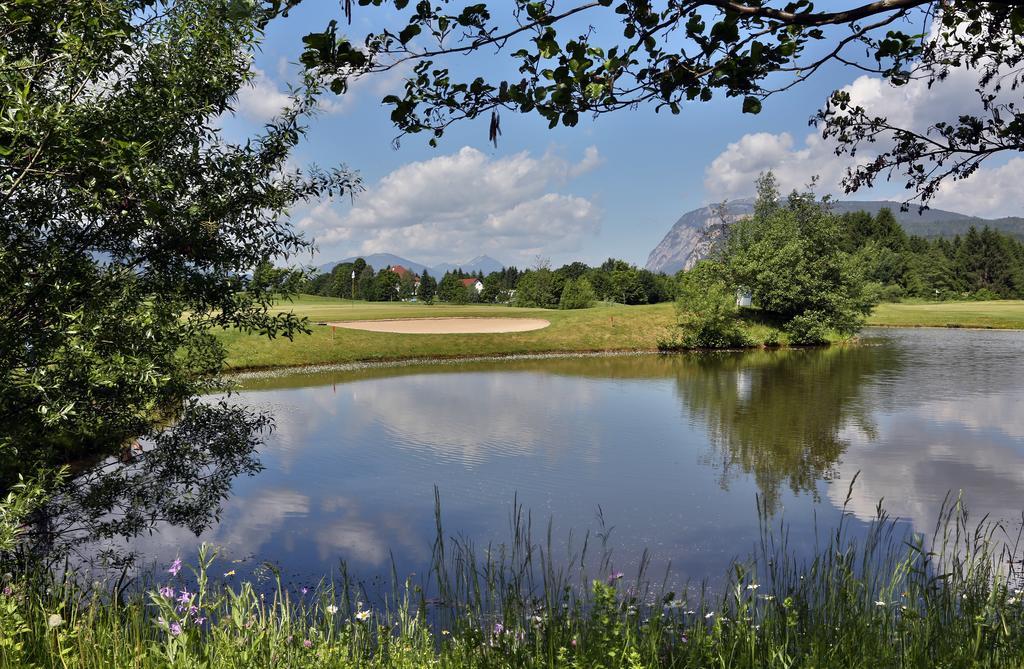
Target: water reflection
column 782, row 416
column 672, row 449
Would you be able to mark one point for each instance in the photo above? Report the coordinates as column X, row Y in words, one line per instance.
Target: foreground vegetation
column 871, row 597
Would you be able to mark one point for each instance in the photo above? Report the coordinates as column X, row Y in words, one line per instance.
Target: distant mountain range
column 694, row 234
column 379, row 261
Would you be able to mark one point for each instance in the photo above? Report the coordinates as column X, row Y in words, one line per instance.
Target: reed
column 870, row 595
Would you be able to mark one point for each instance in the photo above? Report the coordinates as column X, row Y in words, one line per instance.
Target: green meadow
column 605, row 327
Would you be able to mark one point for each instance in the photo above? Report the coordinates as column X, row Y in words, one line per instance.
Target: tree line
column 572, row 286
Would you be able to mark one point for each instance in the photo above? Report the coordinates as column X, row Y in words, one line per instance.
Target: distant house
column 400, row 271
column 475, row 284
column 743, row 298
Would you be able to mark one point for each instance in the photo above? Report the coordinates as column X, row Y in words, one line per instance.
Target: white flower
column 332, row 609
column 363, row 616
column 879, row 603
column 753, row 586
column 54, row 620
column 709, row 615
column 767, row 598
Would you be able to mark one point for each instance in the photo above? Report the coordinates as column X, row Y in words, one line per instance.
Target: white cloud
column 989, row 192
column 463, row 204
column 261, row 99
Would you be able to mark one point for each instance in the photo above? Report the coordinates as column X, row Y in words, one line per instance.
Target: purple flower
column 175, row 567
column 185, row 597
column 615, row 576
column 175, row 629
column 498, row 629
column 200, row 620
column 304, row 590
column 167, row 592
column 307, row 643
column 8, row 591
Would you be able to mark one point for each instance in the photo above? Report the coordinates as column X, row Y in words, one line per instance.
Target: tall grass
column 872, row 596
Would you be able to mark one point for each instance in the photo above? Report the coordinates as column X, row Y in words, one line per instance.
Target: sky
column 609, row 187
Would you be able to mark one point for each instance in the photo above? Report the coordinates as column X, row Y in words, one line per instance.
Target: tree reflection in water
column 779, row 415
column 180, row 476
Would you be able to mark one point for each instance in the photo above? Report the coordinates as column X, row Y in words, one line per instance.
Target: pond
column 668, row 452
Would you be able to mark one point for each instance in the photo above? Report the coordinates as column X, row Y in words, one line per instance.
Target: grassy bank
column 1002, row 314
column 865, row 599
column 606, row 327
column 602, row 328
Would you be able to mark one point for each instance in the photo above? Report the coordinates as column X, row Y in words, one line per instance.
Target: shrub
column 707, row 312
column 577, row 294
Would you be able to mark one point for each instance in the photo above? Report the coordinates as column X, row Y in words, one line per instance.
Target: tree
column 577, row 294
column 131, row 230
column 428, row 288
column 789, row 256
column 676, row 53
column 386, row 286
column 536, row 289
column 451, row 289
column 706, row 310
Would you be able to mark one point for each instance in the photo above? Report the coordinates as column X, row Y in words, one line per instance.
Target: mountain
column 693, row 235
column 379, row 261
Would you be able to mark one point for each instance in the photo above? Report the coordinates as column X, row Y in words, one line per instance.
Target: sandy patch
column 446, row 325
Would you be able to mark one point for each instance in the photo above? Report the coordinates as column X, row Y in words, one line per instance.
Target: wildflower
column 307, row 643
column 498, row 629
column 879, row 603
column 332, row 609
column 445, row 633
column 684, row 638
column 363, row 616
column 709, row 614
column 767, row 598
column 229, row 573
column 167, row 592
column 8, row 591
column 185, row 598
column 199, row 620
column 753, row 586
column 54, row 620
column 175, row 567
column 304, row 590
column 573, row 642
column 175, row 629
column 289, row 639
column 615, row 576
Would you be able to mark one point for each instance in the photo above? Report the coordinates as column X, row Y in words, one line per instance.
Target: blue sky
column 608, row 187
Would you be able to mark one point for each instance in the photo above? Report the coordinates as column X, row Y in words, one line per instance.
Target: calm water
column 672, row 450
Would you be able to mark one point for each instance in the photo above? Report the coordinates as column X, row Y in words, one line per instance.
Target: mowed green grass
column 1002, row 314
column 601, row 328
column 606, row 327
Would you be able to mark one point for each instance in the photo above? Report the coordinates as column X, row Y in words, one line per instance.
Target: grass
column 606, row 327
column 867, row 598
column 1001, row 314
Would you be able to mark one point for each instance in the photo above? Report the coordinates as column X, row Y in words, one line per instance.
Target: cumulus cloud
column 463, row 204
column 261, row 99
column 914, row 106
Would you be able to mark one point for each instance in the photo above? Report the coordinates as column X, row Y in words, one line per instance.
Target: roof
column 469, row 282
column 401, row 271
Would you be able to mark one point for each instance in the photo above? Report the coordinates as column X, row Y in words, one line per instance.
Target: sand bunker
column 446, row 325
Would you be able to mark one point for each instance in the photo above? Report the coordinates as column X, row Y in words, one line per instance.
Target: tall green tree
column 789, row 256
column 130, row 228
column 427, row 288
